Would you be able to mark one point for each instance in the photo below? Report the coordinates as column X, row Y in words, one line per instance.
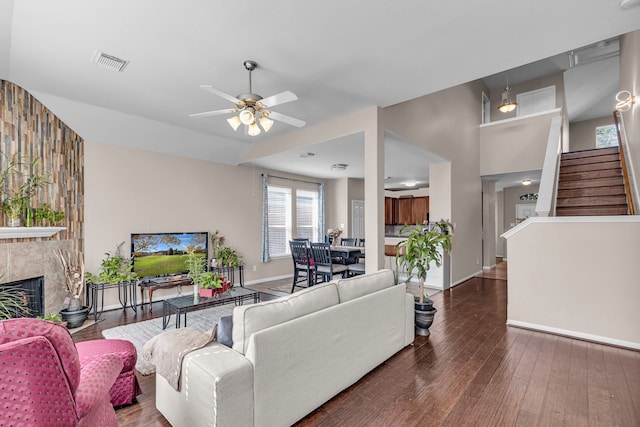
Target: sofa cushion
column 358, row 286
column 248, row 319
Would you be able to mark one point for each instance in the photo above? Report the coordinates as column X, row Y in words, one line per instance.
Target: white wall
column 133, row 191
column 447, row 123
column 577, row 278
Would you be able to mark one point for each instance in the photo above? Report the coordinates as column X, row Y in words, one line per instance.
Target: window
column 282, row 215
column 279, row 220
column 606, row 136
column 536, row 101
column 307, row 214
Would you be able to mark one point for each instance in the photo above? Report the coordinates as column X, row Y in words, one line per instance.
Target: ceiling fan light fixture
column 253, row 129
column 234, row 122
column 266, row 123
column 247, row 116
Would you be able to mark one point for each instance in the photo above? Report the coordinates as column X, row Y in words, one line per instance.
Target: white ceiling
column 338, row 57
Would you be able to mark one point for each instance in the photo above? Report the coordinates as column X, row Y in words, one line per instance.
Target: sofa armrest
column 410, row 329
column 216, row 389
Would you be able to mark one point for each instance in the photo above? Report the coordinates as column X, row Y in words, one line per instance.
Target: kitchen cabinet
column 390, row 211
column 405, row 211
column 412, row 210
column 419, row 209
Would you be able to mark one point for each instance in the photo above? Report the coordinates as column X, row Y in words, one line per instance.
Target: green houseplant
column 205, row 281
column 415, row 255
column 19, row 186
column 114, row 268
column 228, row 257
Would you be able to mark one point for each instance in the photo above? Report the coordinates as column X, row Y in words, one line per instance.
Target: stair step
column 592, row 211
column 592, row 201
column 590, row 160
column 590, row 153
column 605, row 173
column 591, row 192
column 589, row 167
column 588, row 183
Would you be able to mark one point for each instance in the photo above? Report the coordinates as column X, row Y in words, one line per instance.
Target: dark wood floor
column 473, row 370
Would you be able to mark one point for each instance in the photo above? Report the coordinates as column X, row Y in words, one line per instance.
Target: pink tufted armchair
column 43, row 383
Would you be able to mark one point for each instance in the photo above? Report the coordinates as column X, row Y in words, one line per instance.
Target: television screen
column 162, row 254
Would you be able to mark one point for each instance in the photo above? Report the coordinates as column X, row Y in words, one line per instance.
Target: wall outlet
column 478, row 262
column 254, row 267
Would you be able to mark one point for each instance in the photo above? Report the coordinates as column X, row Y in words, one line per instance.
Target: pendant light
column 507, row 105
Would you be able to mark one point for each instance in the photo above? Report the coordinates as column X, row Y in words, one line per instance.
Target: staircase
column 591, row 183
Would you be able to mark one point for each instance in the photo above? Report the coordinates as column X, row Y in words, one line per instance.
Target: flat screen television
column 164, row 254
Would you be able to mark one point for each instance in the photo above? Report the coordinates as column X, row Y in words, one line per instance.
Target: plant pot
column 14, row 221
column 74, row 318
column 425, row 313
column 207, row 293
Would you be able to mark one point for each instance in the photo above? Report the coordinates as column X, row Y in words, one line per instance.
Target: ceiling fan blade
column 214, row 113
column 278, row 99
column 287, row 119
column 220, row 93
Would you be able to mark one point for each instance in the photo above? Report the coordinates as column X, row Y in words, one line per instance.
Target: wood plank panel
column 30, row 130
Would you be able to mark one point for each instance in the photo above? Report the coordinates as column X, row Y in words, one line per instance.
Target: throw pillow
column 225, row 328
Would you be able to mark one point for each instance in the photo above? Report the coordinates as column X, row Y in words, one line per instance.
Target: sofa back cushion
column 358, row 286
column 248, row 319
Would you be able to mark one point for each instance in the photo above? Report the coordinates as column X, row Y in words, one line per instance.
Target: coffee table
column 180, row 306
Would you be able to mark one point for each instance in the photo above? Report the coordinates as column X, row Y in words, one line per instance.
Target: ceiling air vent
column 109, row 61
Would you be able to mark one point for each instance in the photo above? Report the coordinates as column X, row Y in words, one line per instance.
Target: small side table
column 126, row 296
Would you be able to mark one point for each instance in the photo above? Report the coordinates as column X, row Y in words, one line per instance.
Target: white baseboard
column 488, row 267
column 464, row 279
column 268, row 279
column 574, row 334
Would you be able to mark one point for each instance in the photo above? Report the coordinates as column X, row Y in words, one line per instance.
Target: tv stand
column 165, row 282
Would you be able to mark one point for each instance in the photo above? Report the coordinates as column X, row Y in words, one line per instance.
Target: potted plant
column 53, row 317
column 114, row 268
column 217, row 242
column 415, row 254
column 19, row 187
column 196, row 266
column 209, row 284
column 73, row 268
column 228, row 257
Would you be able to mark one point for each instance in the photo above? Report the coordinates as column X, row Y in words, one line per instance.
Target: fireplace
column 32, row 291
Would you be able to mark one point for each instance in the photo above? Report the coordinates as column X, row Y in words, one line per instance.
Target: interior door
column 357, row 219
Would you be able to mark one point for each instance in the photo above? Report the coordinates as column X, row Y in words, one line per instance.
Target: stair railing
column 624, row 149
column 545, row 206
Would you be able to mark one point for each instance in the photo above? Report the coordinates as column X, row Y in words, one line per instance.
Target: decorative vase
column 14, row 221
column 74, row 318
column 425, row 313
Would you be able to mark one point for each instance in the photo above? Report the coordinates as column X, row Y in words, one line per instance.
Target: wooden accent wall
column 27, row 127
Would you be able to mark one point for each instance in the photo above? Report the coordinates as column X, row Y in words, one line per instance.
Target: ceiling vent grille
column 110, row 62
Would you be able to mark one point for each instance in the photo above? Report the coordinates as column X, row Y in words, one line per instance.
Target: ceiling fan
column 252, row 108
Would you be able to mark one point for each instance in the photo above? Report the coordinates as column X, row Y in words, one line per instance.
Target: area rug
column 141, row 332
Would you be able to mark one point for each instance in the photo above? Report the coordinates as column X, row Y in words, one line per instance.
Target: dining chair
column 323, row 265
column 348, row 241
column 360, row 242
column 356, row 269
column 302, row 263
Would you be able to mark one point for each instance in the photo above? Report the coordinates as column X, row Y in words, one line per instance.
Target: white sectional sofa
column 292, row 354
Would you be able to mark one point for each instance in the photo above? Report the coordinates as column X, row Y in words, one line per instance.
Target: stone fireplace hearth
column 26, row 260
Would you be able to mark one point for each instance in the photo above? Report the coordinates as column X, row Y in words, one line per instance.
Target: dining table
column 347, row 251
